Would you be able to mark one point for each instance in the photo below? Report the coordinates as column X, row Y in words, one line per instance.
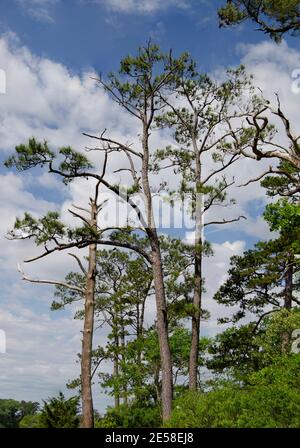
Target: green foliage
column 268, row 396
column 59, row 412
column 240, row 352
column 31, row 421
column 270, row 337
column 283, row 216
column 73, row 163
column 35, row 154
column 285, row 182
column 137, row 415
column 142, row 79
column 42, row 230
column 31, row 155
column 12, row 412
column 258, row 406
column 274, row 17
column 255, row 279
column 235, row 351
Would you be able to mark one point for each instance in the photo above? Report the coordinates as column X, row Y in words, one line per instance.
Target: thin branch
column 120, row 145
column 76, row 215
column 261, row 318
column 225, row 221
column 79, row 263
column 51, row 282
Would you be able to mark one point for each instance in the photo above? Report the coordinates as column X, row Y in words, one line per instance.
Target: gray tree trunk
column 87, row 341
column 288, row 300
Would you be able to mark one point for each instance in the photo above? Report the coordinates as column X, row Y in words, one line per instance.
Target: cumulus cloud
column 45, row 99
column 215, row 273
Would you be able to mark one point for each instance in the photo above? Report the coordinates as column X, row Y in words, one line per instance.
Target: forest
column 140, row 282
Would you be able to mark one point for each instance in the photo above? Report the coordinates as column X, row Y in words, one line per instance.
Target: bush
column 272, row 400
column 134, row 416
column 31, row 421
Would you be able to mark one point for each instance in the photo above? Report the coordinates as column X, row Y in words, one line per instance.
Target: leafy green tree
column 284, row 181
column 123, row 284
column 234, row 353
column 59, row 412
column 265, row 394
column 266, row 277
column 261, row 406
column 13, row 411
column 31, row 421
column 238, row 352
column 273, row 17
column 262, row 279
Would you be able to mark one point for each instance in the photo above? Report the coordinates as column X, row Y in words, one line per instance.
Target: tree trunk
column 157, row 385
column 123, row 345
column 194, row 352
column 116, row 371
column 87, row 341
column 288, row 299
column 162, row 329
column 197, row 299
column 288, row 289
column 161, row 305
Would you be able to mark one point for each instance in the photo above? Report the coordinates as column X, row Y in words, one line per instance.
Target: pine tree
column 274, row 18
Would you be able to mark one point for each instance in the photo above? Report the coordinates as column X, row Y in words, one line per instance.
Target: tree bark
column 123, row 345
column 288, row 299
column 87, row 341
column 157, row 385
column 116, row 370
column 157, row 268
column 194, row 352
column 162, row 329
column 197, row 299
column 288, row 289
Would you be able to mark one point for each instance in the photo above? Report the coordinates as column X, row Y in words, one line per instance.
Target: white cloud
column 39, row 9
column 142, row 6
column 272, row 67
column 45, row 99
column 215, row 273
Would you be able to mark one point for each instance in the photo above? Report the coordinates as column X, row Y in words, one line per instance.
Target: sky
column 49, row 49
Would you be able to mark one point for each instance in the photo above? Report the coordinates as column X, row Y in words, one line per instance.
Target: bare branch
column 225, row 221
column 119, row 145
column 79, row 263
column 50, row 282
column 76, row 215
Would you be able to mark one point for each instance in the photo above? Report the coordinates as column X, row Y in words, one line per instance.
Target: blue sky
column 48, row 49
column 84, row 33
